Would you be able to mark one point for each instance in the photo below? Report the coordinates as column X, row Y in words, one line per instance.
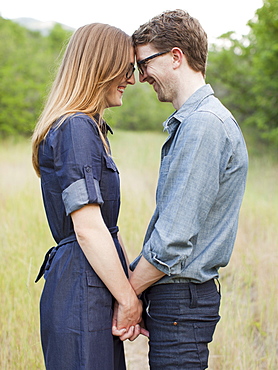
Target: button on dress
column 76, row 308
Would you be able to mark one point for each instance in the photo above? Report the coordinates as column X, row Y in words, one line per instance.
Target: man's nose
column 143, row 77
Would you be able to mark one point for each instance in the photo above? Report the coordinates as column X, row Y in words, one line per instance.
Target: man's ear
column 177, row 56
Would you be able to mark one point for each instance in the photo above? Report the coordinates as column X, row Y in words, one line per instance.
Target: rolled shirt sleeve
column 77, row 158
column 75, row 196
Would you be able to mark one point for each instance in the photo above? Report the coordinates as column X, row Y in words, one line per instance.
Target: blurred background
column 243, row 71
column 242, row 68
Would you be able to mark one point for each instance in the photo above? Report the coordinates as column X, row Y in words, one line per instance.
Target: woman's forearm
column 125, row 253
column 97, row 244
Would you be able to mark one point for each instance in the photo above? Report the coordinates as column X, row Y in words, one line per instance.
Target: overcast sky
column 216, row 16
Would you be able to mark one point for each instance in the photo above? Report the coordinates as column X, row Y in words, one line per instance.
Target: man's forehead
column 144, row 51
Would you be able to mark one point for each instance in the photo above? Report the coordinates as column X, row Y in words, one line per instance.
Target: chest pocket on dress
column 110, row 181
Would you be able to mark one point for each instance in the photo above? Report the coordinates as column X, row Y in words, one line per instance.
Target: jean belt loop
column 193, row 295
column 219, row 286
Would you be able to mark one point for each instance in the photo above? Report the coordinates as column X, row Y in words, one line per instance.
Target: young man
column 199, row 194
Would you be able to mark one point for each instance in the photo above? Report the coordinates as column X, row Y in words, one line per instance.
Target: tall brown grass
column 247, row 335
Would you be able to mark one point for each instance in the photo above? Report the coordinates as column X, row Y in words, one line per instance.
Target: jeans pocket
column 161, row 314
column 100, row 303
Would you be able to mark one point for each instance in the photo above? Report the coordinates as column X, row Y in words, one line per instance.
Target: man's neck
column 188, row 86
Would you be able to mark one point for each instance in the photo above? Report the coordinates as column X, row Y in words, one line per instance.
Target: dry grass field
column 246, row 337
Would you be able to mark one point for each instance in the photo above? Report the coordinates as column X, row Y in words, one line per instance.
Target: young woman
column 86, row 272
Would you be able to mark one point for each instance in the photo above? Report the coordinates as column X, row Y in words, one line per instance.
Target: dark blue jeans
column 181, row 319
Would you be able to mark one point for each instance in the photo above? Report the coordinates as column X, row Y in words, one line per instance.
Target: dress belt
column 113, row 231
column 66, row 240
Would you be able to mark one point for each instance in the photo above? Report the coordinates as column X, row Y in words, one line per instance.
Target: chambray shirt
column 200, row 188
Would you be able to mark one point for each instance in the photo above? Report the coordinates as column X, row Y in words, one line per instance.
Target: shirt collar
column 109, row 128
column 187, row 108
column 103, row 125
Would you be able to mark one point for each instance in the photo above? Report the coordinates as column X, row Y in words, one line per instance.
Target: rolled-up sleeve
column 187, row 188
column 78, row 157
column 75, row 196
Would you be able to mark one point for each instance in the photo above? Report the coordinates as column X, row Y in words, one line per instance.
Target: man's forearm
column 144, row 275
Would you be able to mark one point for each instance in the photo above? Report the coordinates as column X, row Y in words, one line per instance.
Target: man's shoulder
column 212, row 107
column 210, row 113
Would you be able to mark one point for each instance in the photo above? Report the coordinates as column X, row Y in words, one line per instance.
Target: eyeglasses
column 142, row 62
column 130, row 71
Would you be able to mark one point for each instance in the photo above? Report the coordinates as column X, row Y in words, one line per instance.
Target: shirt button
column 88, row 169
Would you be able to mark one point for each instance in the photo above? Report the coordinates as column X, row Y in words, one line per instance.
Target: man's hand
column 132, row 332
column 126, row 317
column 142, row 277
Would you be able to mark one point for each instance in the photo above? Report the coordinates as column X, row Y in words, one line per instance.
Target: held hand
column 129, row 314
column 126, row 317
column 115, row 331
column 133, row 334
column 143, row 330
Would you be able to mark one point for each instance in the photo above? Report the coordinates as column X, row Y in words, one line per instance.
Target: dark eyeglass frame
column 144, row 61
column 130, row 71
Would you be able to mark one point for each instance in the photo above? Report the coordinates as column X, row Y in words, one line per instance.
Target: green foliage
column 264, row 37
column 26, row 63
column 244, row 72
column 58, row 38
column 227, row 72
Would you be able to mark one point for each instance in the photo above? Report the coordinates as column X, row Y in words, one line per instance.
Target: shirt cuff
column 75, row 196
column 173, row 266
column 135, row 262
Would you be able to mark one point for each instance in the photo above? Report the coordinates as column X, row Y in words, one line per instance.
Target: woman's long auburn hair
column 96, row 54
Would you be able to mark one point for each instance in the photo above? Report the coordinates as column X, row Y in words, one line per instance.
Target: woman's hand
column 127, row 314
column 130, row 332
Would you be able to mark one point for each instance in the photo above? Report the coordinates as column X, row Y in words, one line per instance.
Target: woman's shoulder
column 79, row 121
column 77, row 127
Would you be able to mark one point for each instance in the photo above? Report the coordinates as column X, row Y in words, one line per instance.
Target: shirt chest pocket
column 110, row 180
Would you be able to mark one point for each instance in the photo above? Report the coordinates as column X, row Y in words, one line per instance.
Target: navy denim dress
column 76, row 307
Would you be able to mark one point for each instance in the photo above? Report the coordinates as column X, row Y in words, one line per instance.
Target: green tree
column 227, row 71
column 58, row 38
column 27, row 62
column 264, row 50
column 244, row 72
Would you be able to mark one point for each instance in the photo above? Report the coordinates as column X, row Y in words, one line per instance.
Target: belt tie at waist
column 47, row 258
column 69, row 239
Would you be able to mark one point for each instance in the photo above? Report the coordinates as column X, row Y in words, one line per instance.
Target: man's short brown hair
column 176, row 29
